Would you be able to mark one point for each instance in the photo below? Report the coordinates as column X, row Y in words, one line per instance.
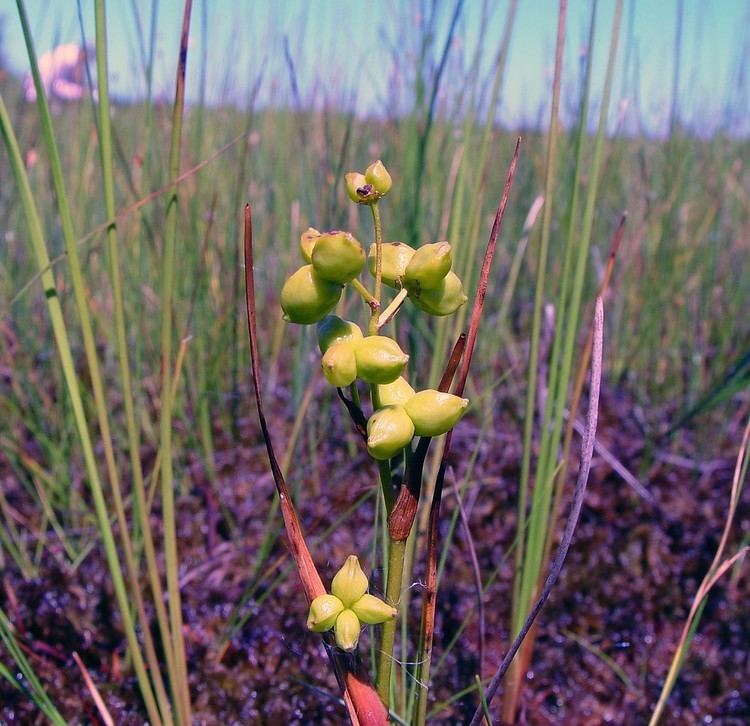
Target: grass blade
column 92, row 360
column 37, row 692
column 41, row 257
column 536, row 325
column 530, row 558
column 427, row 626
column 587, row 452
column 181, row 685
column 715, row 572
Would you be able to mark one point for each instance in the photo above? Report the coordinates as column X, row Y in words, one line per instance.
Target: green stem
column 112, row 242
column 397, row 549
column 165, row 421
column 373, row 328
column 392, row 596
column 364, row 293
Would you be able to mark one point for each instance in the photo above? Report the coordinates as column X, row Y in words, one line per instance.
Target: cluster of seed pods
column 348, row 607
column 401, row 413
column 334, row 260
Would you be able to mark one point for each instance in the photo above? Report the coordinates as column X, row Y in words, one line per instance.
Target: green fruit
column 338, row 257
column 350, row 582
column 347, row 630
column 434, row 413
column 372, row 610
column 339, row 364
column 429, row 265
column 307, row 242
column 378, row 176
column 379, row 359
column 324, row 610
column 359, row 189
column 396, row 393
column 389, row 430
column 306, row 297
column 332, row 329
column 396, row 256
column 444, row 299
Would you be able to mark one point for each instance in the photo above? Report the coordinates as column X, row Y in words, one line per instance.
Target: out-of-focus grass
column 676, row 322
column 31, row 683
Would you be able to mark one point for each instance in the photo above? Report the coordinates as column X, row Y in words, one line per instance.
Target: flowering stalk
column 399, row 413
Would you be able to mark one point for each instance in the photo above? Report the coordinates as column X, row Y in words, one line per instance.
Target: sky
column 359, row 54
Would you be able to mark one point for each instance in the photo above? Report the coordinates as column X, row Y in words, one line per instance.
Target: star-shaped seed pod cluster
column 348, row 606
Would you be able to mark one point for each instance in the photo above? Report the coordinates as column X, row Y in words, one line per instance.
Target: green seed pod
column 444, row 299
column 378, row 176
column 429, row 265
column 372, row 610
column 379, row 359
column 306, row 297
column 434, row 413
column 307, row 241
column 347, row 630
column 339, row 364
column 324, row 610
column 396, row 256
column 338, row 257
column 350, row 582
column 396, row 393
column 332, row 329
column 359, row 189
column 389, row 430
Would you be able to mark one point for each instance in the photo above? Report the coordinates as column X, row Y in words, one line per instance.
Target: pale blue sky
column 341, row 48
